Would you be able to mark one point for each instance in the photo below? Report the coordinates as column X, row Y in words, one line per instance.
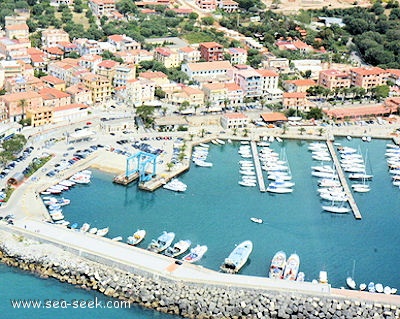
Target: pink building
column 17, row 104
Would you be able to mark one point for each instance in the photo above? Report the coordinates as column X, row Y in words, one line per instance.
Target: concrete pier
column 256, row 159
column 343, row 181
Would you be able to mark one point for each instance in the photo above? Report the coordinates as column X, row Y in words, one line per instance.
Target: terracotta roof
column 90, row 57
column 332, row 72
column 76, row 89
column 34, row 51
column 267, row 73
column 233, row 116
column 361, row 111
column 210, row 45
column 146, row 11
column 108, row 64
column 368, row 70
column 182, row 10
column 300, row 44
column 51, row 93
column 187, row 49
column 55, row 50
column 52, row 79
column 102, row 1
column 20, row 96
column 152, row 75
column 116, row 37
column 273, row 117
column 191, row 90
column 37, row 58
column 23, row 26
column 302, row 82
column 395, row 72
column 70, row 107
column 209, row 66
column 163, row 51
column 233, row 87
column 214, row 86
column 294, row 95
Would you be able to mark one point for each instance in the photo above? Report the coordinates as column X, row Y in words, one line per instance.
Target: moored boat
column 175, row 185
column 351, row 283
column 102, row 232
column 292, row 267
column 178, row 248
column 162, row 242
column 237, row 258
column 256, row 220
column 137, row 237
column 85, row 227
column 195, row 254
column 277, row 266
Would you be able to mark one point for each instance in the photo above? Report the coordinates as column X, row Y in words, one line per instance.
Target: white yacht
column 175, row 185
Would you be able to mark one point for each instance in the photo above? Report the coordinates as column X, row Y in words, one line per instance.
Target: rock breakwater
column 176, row 297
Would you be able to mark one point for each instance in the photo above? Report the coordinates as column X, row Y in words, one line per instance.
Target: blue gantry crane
column 138, row 163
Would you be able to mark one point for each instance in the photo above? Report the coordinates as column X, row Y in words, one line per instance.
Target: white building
column 207, row 71
column 234, row 120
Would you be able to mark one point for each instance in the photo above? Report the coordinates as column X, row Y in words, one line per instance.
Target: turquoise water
column 215, row 211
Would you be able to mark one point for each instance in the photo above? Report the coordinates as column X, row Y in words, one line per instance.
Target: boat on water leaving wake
column 237, row 258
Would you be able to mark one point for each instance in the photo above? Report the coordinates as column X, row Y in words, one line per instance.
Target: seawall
column 173, row 296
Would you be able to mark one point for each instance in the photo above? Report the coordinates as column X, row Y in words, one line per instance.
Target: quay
column 256, row 160
column 125, row 180
column 343, row 181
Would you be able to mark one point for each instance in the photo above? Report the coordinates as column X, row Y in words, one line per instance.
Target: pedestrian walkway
column 256, row 159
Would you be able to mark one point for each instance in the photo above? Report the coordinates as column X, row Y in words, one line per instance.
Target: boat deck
column 343, row 181
column 256, row 159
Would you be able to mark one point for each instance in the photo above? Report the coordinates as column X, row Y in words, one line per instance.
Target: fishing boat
column 93, row 230
column 371, row 287
column 379, row 288
column 278, row 264
column 363, row 286
column 137, row 237
column 292, row 267
column 351, row 283
column 195, row 254
column 237, row 258
column 256, row 220
column 162, row 242
column 102, row 232
column 85, row 227
column 178, row 248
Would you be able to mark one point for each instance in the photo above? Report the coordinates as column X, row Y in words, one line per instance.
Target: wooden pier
column 343, row 181
column 256, row 159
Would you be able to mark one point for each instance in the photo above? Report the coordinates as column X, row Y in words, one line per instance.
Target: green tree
column 302, row 130
column 207, row 20
column 315, row 113
column 146, row 112
column 380, row 92
column 170, row 165
column 15, row 144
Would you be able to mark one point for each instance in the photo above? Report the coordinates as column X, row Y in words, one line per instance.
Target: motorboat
column 292, row 267
column 256, row 220
column 361, row 188
column 247, row 183
column 57, row 216
column 178, row 248
column 280, row 175
column 387, row 290
column 328, row 175
column 237, row 258
column 281, row 183
column 379, row 288
column 351, row 283
column 300, row 277
column 202, row 163
column 360, row 176
column 102, row 232
column 175, row 185
column 247, row 172
column 204, row 145
column 371, row 287
column 137, row 237
column 85, row 227
column 195, row 254
column 93, row 230
column 335, row 196
column 327, row 182
column 279, row 190
column 162, row 242
column 56, row 201
column 277, row 266
column 219, row 141
column 118, row 238
column 363, row 286
column 323, row 168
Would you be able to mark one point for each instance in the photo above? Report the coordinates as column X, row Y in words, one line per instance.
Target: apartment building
column 17, row 31
column 301, row 85
column 159, row 78
column 123, row 42
column 40, row 116
column 22, row 83
column 80, row 94
column 189, row 55
column 107, row 68
column 269, row 80
column 124, row 73
column 53, row 82
column 207, row 5
column 211, row 51
column 248, row 79
column 334, row 79
column 296, row 100
column 234, row 120
column 368, row 77
column 168, row 57
column 208, row 71
column 15, row 49
column 90, row 61
column 102, row 7
column 51, row 37
column 17, row 104
column 99, row 85
column 54, row 98
column 237, row 55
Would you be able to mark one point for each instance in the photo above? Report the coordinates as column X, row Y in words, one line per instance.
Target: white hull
column 195, row 254
column 137, row 237
column 237, row 258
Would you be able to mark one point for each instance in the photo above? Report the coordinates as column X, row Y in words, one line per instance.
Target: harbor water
column 216, row 211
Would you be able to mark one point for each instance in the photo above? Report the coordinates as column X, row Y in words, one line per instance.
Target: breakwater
column 186, row 299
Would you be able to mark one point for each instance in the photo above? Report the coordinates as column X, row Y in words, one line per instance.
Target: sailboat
column 362, row 187
column 350, row 280
column 336, row 209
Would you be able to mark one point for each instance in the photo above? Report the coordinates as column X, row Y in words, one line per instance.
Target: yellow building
column 99, row 85
column 40, row 116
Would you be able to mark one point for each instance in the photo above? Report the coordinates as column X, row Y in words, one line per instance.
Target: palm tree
column 170, row 165
column 235, row 131
column 164, row 110
column 302, row 130
column 191, row 135
column 284, row 129
column 202, row 132
column 22, row 104
column 245, row 132
column 208, row 105
column 226, row 102
column 195, row 108
column 321, row 131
